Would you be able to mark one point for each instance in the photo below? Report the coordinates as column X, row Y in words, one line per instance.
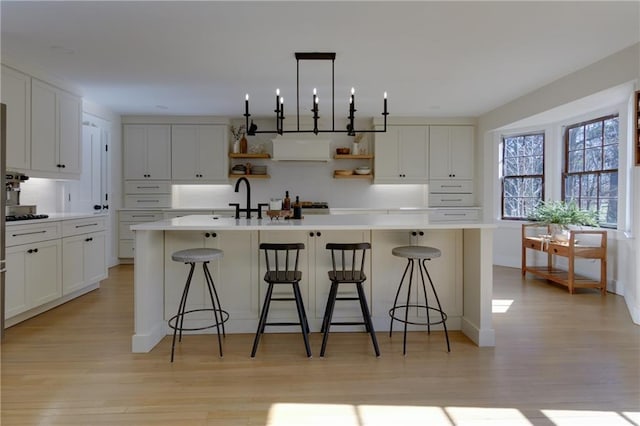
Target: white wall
column 620, row 70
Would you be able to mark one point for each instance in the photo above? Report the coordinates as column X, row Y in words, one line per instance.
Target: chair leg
column 395, row 301
column 304, row 326
column 406, row 311
column 326, row 325
column 366, row 316
column 181, row 309
column 263, row 320
column 442, row 315
column 216, row 307
column 213, row 287
column 424, row 291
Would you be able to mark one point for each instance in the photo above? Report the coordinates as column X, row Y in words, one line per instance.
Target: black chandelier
column 252, row 128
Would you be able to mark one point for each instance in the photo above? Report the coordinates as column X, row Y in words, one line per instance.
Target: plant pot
column 559, row 233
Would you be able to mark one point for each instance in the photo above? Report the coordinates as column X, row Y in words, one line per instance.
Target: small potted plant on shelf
column 355, row 149
column 559, row 215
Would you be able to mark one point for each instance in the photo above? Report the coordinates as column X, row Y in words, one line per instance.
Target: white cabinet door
column 44, row 273
column 69, row 132
column 147, row 151
column 44, row 154
column 15, row 297
column 199, row 153
column 213, row 153
column 159, row 151
column 16, row 94
column 414, row 151
column 401, row 155
column 56, row 120
column 451, row 152
column 135, row 151
column 83, row 261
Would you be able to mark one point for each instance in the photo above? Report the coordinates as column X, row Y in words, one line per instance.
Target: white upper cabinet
column 199, row 153
column 451, row 152
column 401, row 155
column 16, row 94
column 56, row 129
column 147, row 151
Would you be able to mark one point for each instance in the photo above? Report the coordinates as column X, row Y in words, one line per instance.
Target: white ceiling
column 200, row 58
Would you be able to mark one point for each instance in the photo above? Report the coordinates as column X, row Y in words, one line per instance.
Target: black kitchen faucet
column 247, row 209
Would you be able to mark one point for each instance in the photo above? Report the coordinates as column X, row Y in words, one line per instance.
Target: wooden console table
column 572, row 249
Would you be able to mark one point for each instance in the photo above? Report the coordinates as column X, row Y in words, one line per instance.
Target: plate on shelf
column 362, row 171
column 343, row 172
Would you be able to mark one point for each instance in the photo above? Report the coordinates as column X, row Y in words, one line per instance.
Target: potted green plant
column 559, row 215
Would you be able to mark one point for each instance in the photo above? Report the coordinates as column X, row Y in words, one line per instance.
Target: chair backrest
column 275, row 253
column 347, row 260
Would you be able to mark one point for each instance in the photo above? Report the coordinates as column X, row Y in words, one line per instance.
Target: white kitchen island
column 463, row 274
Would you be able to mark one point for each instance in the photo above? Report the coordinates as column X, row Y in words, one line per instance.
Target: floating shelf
column 232, row 176
column 353, row 176
column 353, row 157
column 262, row 155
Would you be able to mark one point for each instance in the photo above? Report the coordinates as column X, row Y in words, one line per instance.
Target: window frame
column 565, row 168
column 502, row 168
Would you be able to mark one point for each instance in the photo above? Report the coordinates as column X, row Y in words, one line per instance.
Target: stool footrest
column 283, row 323
column 172, row 321
column 348, row 323
column 426, row 321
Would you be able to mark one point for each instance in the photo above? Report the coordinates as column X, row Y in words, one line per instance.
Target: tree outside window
column 522, row 160
column 590, row 175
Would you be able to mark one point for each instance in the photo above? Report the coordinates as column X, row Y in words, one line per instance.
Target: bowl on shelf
column 362, row 171
column 343, row 151
column 343, row 172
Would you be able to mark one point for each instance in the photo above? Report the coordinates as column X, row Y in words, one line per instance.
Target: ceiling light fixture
column 252, row 128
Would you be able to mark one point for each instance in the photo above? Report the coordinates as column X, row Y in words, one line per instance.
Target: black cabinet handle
column 210, row 234
column 421, row 233
column 318, row 234
column 63, row 166
column 89, row 239
column 414, row 233
column 35, row 250
column 311, row 234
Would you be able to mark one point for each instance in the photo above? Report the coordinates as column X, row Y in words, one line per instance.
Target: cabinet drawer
column 125, row 248
column 82, row 226
column 453, row 215
column 125, row 232
column 451, row 186
column 140, row 216
column 158, row 200
column 450, row 200
column 26, row 234
column 147, row 187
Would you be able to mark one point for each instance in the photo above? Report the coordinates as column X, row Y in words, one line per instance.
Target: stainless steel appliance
column 3, row 268
column 13, row 209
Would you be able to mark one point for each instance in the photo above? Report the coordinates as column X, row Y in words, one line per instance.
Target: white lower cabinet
column 33, row 276
column 126, row 237
column 235, row 276
column 315, row 262
column 84, row 261
column 445, row 271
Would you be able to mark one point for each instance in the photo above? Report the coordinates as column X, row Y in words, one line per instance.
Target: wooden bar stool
column 176, row 322
column 420, row 254
column 275, row 254
column 349, row 270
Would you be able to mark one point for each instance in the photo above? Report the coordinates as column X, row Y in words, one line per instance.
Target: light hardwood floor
column 559, row 359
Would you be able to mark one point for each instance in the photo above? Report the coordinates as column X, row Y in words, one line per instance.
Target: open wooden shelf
column 261, row 155
column 353, row 176
column 353, row 157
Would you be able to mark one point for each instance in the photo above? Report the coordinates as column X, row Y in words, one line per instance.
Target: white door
column 16, row 94
column 414, row 146
column 184, row 152
column 462, row 152
column 213, row 153
column 44, row 155
column 135, row 151
column 158, row 151
column 69, row 133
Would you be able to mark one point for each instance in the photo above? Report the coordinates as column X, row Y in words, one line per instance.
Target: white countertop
column 310, row 222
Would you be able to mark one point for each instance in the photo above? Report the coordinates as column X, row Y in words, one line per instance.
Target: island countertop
column 310, row 222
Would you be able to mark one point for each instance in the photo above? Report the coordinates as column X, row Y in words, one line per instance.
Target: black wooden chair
column 348, row 265
column 282, row 268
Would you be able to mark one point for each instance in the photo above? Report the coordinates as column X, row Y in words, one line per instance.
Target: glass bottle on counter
column 286, row 204
column 297, row 208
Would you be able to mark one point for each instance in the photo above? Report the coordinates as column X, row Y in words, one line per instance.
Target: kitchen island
column 464, row 273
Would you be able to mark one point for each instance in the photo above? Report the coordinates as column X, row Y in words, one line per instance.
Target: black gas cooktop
column 13, row 218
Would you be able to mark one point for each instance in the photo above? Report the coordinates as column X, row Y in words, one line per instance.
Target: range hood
column 301, row 149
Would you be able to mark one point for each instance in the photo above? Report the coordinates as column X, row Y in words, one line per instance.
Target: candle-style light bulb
column 246, row 105
column 314, row 91
column 385, row 95
column 353, row 90
column 278, row 92
column 246, row 97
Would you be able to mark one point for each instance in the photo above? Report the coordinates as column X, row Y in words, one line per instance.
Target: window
column 591, row 167
column 522, row 174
